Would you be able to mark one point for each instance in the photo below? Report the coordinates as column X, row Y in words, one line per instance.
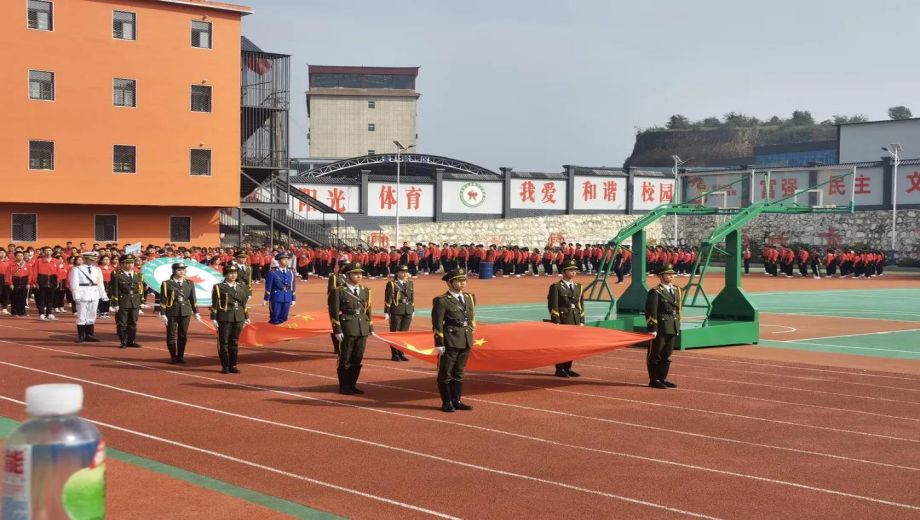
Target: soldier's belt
column 453, row 323
column 350, row 313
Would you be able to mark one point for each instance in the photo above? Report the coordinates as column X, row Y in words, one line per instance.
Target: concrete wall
column 338, row 125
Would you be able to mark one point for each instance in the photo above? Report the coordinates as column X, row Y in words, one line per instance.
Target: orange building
column 122, row 120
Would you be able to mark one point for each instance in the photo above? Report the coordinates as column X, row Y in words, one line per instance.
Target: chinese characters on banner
column 343, row 198
column 695, row 186
column 604, row 193
column 414, row 200
column 538, row 194
column 781, row 185
column 908, row 185
column 651, row 192
column 868, row 188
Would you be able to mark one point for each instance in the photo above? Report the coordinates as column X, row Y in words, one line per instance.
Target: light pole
column 894, row 150
column 400, row 149
column 676, row 200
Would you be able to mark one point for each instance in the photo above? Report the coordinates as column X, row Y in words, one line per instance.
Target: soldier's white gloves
column 293, row 302
column 198, row 316
column 339, row 337
column 164, row 318
column 114, row 308
column 144, row 306
column 582, row 324
column 264, row 303
column 654, row 334
column 386, row 316
column 247, row 322
column 441, row 350
column 214, row 322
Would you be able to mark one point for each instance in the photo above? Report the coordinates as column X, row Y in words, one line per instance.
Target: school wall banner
column 414, row 200
column 867, row 186
column 696, row 185
column 538, row 194
column 651, row 192
column 600, row 193
column 472, row 197
column 344, row 198
column 781, row 185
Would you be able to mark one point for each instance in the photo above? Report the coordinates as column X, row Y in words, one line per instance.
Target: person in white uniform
column 87, row 289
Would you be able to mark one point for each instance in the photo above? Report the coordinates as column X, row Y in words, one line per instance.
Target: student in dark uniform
column 127, row 293
column 662, row 313
column 399, row 306
column 453, row 319
column 567, row 307
column 229, row 314
column 350, row 313
column 336, row 279
column 178, row 305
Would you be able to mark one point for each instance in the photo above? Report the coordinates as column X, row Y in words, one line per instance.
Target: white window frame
column 53, row 85
column 191, row 29
column 135, row 25
column 135, row 159
column 53, row 155
column 372, row 104
column 210, row 163
column 51, row 4
column 114, row 79
column 12, row 239
column 96, row 215
column 371, row 127
column 171, row 239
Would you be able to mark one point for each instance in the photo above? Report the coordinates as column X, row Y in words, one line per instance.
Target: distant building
column 358, row 111
column 863, row 142
column 796, row 154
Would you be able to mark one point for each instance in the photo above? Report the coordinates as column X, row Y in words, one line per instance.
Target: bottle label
column 70, row 478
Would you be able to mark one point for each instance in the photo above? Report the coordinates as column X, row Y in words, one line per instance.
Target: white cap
column 57, row 399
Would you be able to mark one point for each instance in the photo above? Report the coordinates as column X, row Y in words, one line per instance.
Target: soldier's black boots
column 355, row 371
column 224, row 362
column 90, row 330
column 394, row 354
column 344, row 381
column 172, row 353
column 561, row 373
column 81, row 333
column 656, row 384
column 446, row 405
column 233, row 369
column 456, row 391
column 668, row 384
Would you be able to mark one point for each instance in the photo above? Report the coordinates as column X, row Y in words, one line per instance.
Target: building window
column 370, row 127
column 41, row 85
column 124, row 92
column 25, row 227
column 41, row 155
column 180, row 229
column 106, row 228
column 371, row 104
column 370, row 152
column 201, row 98
column 201, row 162
column 123, row 25
column 124, row 159
column 40, row 16
column 201, row 34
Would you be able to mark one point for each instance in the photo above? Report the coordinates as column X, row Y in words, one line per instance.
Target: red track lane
column 575, row 466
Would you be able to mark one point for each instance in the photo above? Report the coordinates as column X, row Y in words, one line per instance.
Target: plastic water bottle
column 54, row 463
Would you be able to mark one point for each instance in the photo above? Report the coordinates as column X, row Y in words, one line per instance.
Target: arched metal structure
column 409, row 158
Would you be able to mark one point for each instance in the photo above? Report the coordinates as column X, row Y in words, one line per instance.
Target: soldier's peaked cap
column 402, row 269
column 454, row 274
column 179, row 265
column 91, row 254
column 279, row 256
column 230, row 268
column 353, row 268
column 569, row 264
column 127, row 259
column 667, row 269
column 241, row 254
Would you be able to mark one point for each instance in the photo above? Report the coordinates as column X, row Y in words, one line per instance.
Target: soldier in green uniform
column 350, row 313
column 178, row 305
column 453, row 318
column 127, row 296
column 663, row 308
column 567, row 307
column 399, row 306
column 336, row 280
column 244, row 271
column 229, row 314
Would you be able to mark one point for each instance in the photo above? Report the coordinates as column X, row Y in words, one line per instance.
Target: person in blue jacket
column 280, row 290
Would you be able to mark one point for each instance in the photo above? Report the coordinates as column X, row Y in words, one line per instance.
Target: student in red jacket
column 18, row 275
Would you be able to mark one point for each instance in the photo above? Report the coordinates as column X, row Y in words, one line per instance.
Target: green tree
column 899, row 112
column 802, row 117
column 711, row 122
column 678, row 122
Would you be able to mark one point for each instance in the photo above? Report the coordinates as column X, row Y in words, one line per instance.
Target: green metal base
column 714, row 333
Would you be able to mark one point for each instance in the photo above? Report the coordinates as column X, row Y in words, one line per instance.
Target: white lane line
column 780, row 313
column 452, row 461
column 790, row 343
column 261, row 466
column 395, row 448
column 787, row 331
column 849, row 335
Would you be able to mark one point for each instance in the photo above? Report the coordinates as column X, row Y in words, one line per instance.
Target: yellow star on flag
column 480, row 342
column 293, row 326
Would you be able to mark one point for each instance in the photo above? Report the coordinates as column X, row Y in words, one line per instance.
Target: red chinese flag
column 520, row 346
column 300, row 326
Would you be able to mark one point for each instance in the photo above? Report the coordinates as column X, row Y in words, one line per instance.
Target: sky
column 534, row 85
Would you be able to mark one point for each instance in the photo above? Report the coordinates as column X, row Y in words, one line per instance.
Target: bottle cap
column 56, row 399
